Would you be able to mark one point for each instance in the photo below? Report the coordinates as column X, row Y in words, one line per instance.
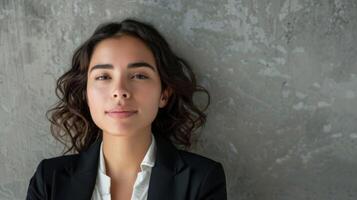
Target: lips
column 120, row 109
column 128, row 111
column 120, row 113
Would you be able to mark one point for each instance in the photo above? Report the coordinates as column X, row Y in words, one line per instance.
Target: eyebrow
column 130, row 65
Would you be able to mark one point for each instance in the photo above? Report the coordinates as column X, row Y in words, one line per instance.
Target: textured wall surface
column 282, row 76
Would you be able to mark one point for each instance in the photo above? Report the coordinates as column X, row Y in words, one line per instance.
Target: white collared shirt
column 140, row 190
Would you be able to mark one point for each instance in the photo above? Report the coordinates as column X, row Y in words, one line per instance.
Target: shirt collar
column 146, row 163
column 149, row 159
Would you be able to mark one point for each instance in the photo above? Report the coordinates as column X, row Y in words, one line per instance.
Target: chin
column 119, row 131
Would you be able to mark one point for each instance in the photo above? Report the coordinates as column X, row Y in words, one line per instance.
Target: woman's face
column 122, row 76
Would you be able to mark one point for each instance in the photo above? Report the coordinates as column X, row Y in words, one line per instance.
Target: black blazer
column 177, row 175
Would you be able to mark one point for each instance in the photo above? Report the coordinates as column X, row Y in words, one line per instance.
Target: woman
column 125, row 102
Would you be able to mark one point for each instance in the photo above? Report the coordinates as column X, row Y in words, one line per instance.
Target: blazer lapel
column 170, row 176
column 78, row 180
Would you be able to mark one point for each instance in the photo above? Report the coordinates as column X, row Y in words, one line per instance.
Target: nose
column 124, row 95
column 121, row 90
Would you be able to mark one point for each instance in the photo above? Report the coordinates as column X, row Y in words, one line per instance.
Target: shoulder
column 195, row 160
column 207, row 174
column 61, row 161
column 200, row 165
column 49, row 165
column 39, row 185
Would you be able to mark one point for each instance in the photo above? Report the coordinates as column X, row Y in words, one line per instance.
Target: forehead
column 124, row 44
column 121, row 50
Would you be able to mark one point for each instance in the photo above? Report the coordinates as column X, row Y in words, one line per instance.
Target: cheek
column 150, row 98
column 95, row 98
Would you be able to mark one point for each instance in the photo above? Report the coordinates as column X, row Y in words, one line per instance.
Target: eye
column 102, row 77
column 141, row 76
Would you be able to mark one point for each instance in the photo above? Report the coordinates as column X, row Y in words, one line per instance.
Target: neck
column 124, row 154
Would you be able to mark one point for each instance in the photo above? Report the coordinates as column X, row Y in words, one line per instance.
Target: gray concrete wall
column 282, row 74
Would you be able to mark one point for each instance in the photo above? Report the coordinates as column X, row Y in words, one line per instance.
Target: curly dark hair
column 71, row 119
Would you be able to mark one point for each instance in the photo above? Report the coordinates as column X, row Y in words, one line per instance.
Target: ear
column 165, row 96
